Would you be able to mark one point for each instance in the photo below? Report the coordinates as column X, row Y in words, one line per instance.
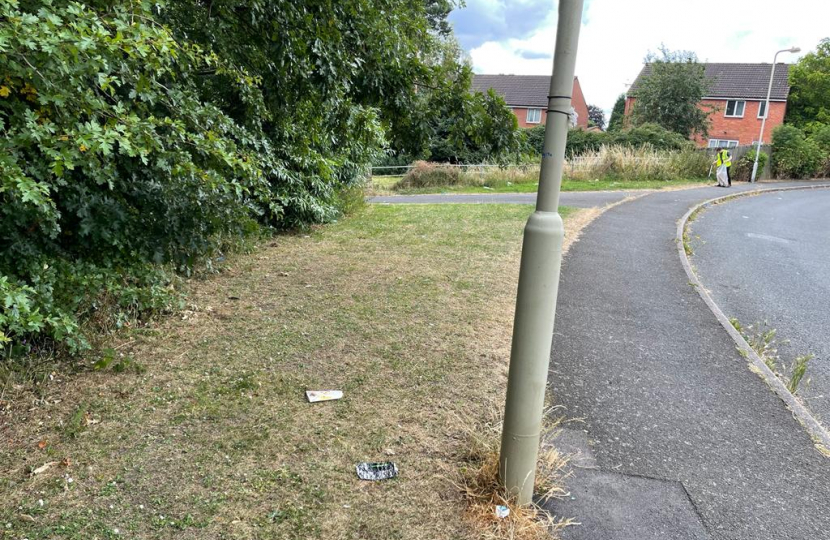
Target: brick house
column 527, row 96
column 736, row 95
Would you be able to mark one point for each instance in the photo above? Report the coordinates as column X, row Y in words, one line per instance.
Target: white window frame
column 737, row 102
column 728, row 143
column 538, row 121
column 766, row 113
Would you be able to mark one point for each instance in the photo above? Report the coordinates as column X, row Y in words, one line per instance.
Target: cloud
column 616, row 36
column 495, row 20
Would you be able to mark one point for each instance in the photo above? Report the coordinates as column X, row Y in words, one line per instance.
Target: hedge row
column 581, row 141
column 798, row 155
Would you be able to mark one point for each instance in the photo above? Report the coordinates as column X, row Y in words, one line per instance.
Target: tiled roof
column 747, row 81
column 517, row 90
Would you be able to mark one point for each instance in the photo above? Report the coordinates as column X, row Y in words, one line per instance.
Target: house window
column 762, row 109
column 735, row 108
column 534, row 116
column 717, row 143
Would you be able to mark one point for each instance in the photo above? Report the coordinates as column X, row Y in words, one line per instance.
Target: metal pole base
column 530, row 355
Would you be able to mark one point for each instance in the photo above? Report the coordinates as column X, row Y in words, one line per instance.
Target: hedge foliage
column 581, row 141
column 137, row 137
column 795, row 155
column 742, row 168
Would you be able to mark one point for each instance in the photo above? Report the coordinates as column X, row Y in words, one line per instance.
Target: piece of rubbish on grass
column 376, row 471
column 43, row 468
column 502, row 511
column 323, row 395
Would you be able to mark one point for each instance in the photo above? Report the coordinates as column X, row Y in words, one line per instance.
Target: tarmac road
column 767, row 258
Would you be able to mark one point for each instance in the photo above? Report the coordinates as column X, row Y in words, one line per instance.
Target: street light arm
column 766, row 110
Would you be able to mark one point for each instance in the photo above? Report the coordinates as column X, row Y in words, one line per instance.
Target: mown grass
column 407, row 309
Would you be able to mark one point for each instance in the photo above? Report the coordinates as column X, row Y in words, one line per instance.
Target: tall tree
column 617, row 114
column 597, row 116
column 809, row 102
column 670, row 92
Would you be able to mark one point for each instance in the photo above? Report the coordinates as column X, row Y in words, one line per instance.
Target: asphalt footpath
column 683, row 440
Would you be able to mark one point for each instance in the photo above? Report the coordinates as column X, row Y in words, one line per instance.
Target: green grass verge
column 407, row 309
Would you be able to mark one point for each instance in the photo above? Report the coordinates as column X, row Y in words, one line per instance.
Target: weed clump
column 763, row 341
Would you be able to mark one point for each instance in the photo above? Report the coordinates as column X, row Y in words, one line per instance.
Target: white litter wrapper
column 323, row 395
column 502, row 511
column 723, row 176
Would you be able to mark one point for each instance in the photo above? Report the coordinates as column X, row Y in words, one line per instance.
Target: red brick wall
column 745, row 130
column 521, row 116
column 577, row 102
column 580, row 105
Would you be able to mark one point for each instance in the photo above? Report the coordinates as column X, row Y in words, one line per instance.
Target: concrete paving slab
column 613, row 506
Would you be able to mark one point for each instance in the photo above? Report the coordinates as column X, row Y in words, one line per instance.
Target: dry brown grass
column 406, row 309
column 479, row 482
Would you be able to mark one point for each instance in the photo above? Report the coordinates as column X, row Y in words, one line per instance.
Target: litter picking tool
column 323, row 395
column 710, row 171
column 376, row 471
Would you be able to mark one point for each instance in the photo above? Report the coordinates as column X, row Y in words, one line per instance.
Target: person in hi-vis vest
column 724, row 159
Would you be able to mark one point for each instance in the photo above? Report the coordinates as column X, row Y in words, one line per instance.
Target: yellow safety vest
column 724, row 157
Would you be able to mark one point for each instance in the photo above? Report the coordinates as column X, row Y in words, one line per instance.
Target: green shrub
column 742, row 168
column 821, row 136
column 121, row 163
column 109, row 162
column 351, row 199
column 581, row 141
column 793, row 154
column 689, row 163
column 426, row 174
column 653, row 135
column 534, row 139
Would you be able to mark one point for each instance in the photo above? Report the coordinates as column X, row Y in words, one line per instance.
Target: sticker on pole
column 377, row 471
column 323, row 395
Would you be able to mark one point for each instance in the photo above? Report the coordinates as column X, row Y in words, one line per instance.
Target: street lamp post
column 766, row 110
column 539, row 278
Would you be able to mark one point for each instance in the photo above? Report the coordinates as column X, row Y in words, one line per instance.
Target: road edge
column 819, row 434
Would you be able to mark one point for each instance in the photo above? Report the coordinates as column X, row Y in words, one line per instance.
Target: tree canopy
column 671, row 93
column 617, row 114
column 597, row 116
column 809, row 101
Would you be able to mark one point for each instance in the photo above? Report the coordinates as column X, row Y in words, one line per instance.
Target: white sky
column 517, row 36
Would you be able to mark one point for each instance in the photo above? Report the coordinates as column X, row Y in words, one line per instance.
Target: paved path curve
column 662, row 391
column 579, row 199
column 767, row 258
